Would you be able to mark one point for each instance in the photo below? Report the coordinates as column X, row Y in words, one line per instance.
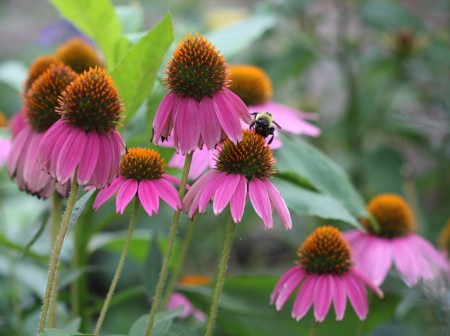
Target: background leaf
column 162, row 324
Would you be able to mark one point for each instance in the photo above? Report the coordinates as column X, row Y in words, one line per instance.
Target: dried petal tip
column 142, row 164
column 196, row 69
column 42, row 99
column 251, row 84
column 325, row 251
column 250, row 157
column 39, row 66
column 393, row 214
column 79, row 55
column 92, row 102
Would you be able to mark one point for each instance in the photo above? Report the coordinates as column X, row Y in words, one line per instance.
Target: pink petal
column 356, row 294
column 239, row 106
column 70, row 155
column 148, row 196
column 168, row 193
column 224, row 192
column 279, row 203
column 205, row 195
column 18, row 149
column 260, row 201
column 237, row 202
column 194, row 192
column 126, row 193
column 305, row 297
column 376, row 259
column 289, row 285
column 89, row 160
column 406, row 261
column 323, row 293
column 186, row 126
column 280, row 284
column 210, row 128
column 367, row 281
column 162, row 124
column 339, row 298
column 54, row 135
column 227, row 116
column 101, row 171
column 107, row 192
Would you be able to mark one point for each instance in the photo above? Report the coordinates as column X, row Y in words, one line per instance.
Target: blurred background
column 377, row 73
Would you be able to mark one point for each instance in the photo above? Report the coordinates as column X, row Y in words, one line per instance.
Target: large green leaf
column 309, row 203
column 98, row 20
column 136, row 72
column 299, row 159
column 162, row 324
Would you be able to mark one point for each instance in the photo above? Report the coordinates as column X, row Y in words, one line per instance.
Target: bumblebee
column 263, row 124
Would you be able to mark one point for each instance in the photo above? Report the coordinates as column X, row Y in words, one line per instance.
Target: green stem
column 170, row 244
column 56, row 252
column 220, row 277
column 180, row 262
column 119, row 268
column 55, row 220
column 314, row 327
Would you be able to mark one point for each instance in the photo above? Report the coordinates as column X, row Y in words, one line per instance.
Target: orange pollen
column 39, row 66
column 194, row 280
column 3, row 120
column 196, row 69
column 444, row 238
column 251, row 84
column 250, row 157
column 394, row 216
column 79, row 55
column 142, row 164
column 325, row 251
column 92, row 102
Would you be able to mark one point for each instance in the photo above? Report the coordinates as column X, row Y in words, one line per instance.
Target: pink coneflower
column 254, row 87
column 242, row 169
column 29, row 127
column 141, row 173
column 85, row 142
column 394, row 243
column 178, row 300
column 199, row 108
column 325, row 273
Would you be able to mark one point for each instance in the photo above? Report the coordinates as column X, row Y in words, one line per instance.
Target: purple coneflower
column 178, row 300
column 141, row 173
column 199, row 108
column 242, row 169
column 394, row 243
column 254, row 87
column 325, row 273
column 85, row 142
column 29, row 128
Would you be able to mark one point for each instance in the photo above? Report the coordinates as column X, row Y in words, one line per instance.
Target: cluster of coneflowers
column 66, row 137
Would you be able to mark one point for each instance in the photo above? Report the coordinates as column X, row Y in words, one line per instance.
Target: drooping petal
column 148, row 196
column 305, row 297
column 67, row 130
column 102, row 168
column 367, row 282
column 260, row 200
column 227, row 116
column 18, row 147
column 356, row 294
column 168, row 193
column 186, row 126
column 238, row 200
column 162, row 124
column 280, row 284
column 209, row 189
column 290, row 284
column 89, row 159
column 107, row 192
column 125, row 194
column 405, row 260
column 339, row 297
column 224, row 192
column 279, row 204
column 210, row 128
column 375, row 259
column 323, row 293
column 70, row 155
column 190, row 201
column 53, row 136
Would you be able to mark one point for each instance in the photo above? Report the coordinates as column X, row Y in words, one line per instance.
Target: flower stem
column 55, row 221
column 119, row 268
column 314, row 327
column 56, row 252
column 220, row 277
column 180, row 262
column 170, row 244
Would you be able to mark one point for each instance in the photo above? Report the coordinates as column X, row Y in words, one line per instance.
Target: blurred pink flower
column 177, row 300
column 199, row 109
column 141, row 174
column 5, row 146
column 324, row 273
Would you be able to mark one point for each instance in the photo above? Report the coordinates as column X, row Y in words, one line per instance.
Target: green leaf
column 297, row 157
column 237, row 37
column 308, row 203
column 14, row 74
column 152, row 266
column 162, row 324
column 78, row 209
column 38, row 233
column 136, row 72
column 98, row 20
